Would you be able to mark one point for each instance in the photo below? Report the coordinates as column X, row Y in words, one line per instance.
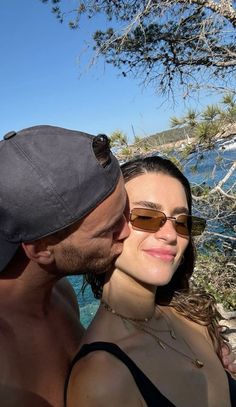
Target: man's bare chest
column 34, row 360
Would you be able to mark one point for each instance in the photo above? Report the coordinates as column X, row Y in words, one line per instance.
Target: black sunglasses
column 101, row 148
column 151, row 220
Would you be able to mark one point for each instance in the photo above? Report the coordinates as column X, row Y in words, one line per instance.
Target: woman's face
column 152, row 258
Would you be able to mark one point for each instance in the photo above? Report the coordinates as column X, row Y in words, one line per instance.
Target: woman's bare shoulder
column 100, row 379
column 183, row 322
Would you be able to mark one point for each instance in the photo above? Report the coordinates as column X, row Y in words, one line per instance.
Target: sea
column 212, row 166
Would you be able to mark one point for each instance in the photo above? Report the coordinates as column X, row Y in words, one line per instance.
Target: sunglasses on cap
column 151, row 220
column 101, row 148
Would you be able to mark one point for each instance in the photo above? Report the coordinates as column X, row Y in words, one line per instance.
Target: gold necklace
column 108, row 308
column 196, row 362
column 167, row 321
column 145, row 320
column 139, row 324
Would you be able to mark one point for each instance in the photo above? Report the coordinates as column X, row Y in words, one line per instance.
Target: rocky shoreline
column 228, row 321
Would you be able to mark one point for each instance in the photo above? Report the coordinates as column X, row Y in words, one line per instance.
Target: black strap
column 232, row 389
column 152, row 396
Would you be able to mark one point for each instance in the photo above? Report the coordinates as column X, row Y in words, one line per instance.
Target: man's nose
column 124, row 230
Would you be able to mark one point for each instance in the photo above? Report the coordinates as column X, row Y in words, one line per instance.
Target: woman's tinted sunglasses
column 151, row 220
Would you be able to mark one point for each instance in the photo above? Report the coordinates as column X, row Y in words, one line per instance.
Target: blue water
column 87, row 303
column 212, row 166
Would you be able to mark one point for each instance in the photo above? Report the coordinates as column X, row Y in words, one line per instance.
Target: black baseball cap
column 50, row 178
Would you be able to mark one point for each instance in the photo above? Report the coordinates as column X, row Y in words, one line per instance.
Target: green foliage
column 229, row 100
column 193, row 168
column 215, row 273
column 188, row 149
column 206, row 125
column 211, row 113
column 200, row 190
column 146, row 146
column 118, row 139
column 176, row 122
column 176, row 162
column 229, row 114
column 206, row 130
column 126, row 152
column 219, row 159
column 137, row 139
column 167, row 151
column 190, row 119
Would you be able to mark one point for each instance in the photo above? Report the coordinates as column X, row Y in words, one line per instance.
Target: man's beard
column 78, row 262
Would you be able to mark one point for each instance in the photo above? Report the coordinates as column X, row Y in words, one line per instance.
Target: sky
column 45, row 79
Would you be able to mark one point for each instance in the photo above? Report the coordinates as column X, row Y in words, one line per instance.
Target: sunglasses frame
column 101, row 149
column 196, row 224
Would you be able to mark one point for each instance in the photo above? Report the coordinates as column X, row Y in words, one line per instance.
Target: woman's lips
column 163, row 254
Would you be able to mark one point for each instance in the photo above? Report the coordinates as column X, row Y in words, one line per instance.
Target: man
column 62, row 201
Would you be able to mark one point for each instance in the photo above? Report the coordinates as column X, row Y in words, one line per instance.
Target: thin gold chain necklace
column 108, row 308
column 139, row 324
column 145, row 320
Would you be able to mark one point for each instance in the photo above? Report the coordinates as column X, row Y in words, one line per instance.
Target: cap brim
column 7, row 251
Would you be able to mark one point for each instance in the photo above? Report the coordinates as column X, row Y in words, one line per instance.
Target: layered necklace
column 141, row 324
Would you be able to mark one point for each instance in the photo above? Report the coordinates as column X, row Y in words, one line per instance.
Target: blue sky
column 43, row 80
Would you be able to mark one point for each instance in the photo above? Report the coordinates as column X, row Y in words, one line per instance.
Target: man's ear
column 38, row 251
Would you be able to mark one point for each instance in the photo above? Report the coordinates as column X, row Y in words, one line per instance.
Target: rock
column 226, row 314
column 230, row 331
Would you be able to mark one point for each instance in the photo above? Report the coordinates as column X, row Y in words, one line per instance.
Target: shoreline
column 135, row 150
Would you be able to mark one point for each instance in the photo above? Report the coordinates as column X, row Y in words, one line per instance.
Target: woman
column 152, row 342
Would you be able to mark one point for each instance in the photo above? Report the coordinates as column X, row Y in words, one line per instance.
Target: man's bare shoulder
column 66, row 291
column 99, row 379
column 66, row 296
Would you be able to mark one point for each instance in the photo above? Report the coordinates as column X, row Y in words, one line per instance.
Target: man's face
column 97, row 240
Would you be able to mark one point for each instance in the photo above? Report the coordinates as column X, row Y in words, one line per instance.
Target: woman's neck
column 129, row 297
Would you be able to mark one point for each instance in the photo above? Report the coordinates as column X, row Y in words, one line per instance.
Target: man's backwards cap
column 49, row 179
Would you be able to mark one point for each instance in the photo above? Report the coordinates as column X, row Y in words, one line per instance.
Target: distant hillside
column 183, row 133
column 167, row 136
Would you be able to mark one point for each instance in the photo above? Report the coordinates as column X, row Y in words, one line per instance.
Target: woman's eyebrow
column 148, row 204
column 153, row 205
column 180, row 210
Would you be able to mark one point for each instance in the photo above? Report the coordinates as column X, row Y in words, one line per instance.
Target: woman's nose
column 167, row 231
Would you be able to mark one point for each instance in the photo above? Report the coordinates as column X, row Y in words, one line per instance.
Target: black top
column 232, row 389
column 152, row 396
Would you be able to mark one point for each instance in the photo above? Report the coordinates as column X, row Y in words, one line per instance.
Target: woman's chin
column 164, row 277
column 158, row 280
